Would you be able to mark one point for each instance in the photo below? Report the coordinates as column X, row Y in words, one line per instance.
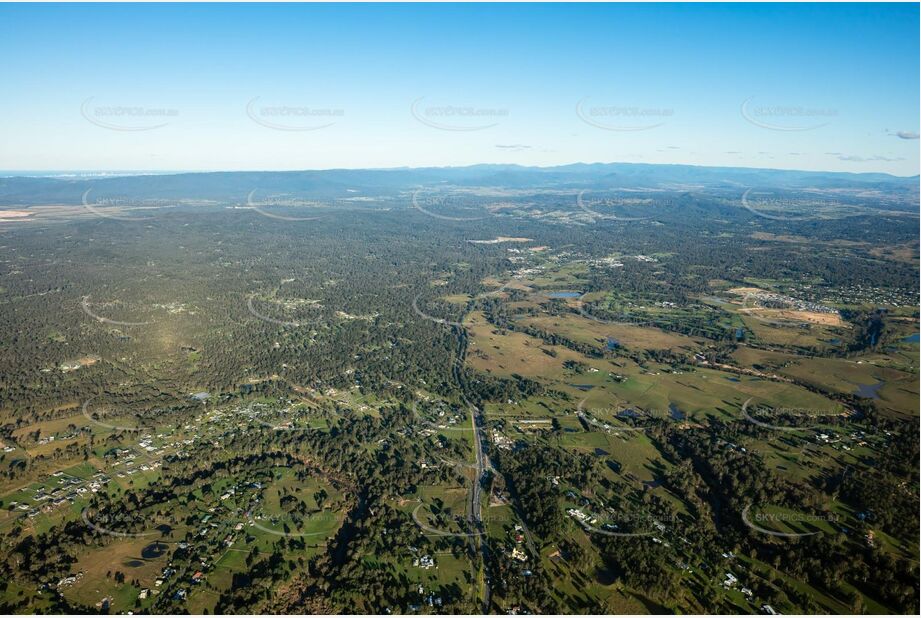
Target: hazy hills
column 340, row 183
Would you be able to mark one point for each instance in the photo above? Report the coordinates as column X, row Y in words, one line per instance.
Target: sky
column 285, row 87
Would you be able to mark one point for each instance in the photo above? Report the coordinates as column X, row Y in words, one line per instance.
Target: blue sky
column 208, row 87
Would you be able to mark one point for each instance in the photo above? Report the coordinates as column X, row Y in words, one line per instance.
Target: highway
column 475, row 507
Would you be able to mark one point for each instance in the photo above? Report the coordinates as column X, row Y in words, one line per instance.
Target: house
column 426, row 562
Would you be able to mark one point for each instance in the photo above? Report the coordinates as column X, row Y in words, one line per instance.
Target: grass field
column 507, row 353
column 100, row 565
column 298, row 507
column 591, row 332
column 898, row 393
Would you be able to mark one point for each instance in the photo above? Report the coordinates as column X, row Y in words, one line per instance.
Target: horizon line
column 149, row 172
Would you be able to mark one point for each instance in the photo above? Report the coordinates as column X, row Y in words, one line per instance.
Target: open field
column 585, row 330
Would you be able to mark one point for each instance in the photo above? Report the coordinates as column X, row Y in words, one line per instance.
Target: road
column 478, row 425
column 475, row 507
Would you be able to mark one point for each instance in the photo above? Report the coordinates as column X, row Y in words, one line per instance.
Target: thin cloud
column 513, row 146
column 859, row 159
column 906, row 135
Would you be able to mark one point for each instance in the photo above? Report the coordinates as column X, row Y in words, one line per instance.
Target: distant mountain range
column 340, row 183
